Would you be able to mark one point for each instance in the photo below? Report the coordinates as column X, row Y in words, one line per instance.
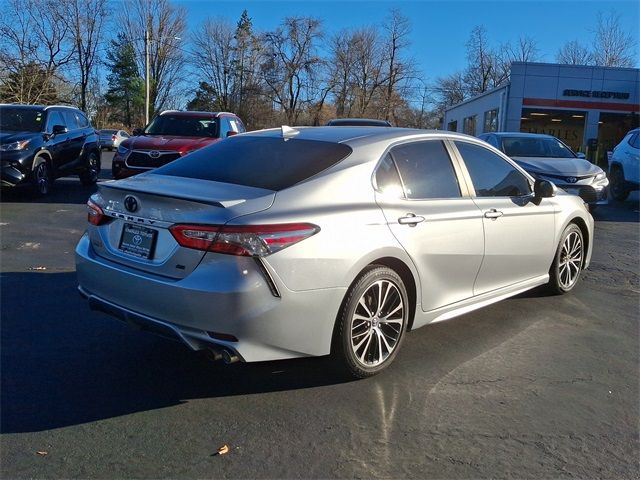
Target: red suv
column 169, row 136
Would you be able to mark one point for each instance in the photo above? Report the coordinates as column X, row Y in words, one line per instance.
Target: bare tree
column 86, row 19
column 167, row 26
column 368, row 65
column 573, row 53
column 398, row 69
column 482, row 70
column 342, row 62
column 450, row 90
column 290, row 65
column 612, row 46
column 33, row 38
column 213, row 57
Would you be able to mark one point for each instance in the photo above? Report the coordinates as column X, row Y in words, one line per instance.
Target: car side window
column 54, row 118
column 426, row 170
column 492, row 176
column 387, row 178
column 633, row 141
column 493, row 141
column 82, row 120
column 224, row 127
column 70, row 119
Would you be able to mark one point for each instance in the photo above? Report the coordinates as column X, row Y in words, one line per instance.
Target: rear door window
column 426, row 170
column 388, row 179
column 262, row 162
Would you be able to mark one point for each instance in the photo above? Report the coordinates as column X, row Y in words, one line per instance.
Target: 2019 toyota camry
column 300, row 242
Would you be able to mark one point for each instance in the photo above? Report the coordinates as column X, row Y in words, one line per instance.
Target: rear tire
column 617, row 185
column 567, row 264
column 371, row 323
column 89, row 176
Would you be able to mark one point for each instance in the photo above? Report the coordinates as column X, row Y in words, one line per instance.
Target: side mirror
column 59, row 129
column 231, row 133
column 137, row 132
column 581, row 155
column 544, row 189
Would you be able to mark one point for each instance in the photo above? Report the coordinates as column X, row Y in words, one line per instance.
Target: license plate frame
column 138, row 241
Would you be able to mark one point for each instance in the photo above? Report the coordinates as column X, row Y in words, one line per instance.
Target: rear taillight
column 95, row 215
column 113, row 137
column 244, row 240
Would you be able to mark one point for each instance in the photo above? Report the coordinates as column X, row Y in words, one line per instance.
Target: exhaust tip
column 228, row 357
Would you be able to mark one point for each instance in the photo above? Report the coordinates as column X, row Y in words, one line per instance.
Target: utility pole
column 147, row 74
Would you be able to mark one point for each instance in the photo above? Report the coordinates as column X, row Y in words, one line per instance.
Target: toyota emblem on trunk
column 130, row 203
column 154, row 153
column 572, row 179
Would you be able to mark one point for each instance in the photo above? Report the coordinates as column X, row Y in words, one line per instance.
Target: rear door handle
column 493, row 213
column 410, row 219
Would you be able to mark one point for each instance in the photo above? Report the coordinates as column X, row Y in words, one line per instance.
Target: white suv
column 624, row 166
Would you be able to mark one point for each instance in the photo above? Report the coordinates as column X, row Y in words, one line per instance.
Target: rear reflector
column 243, row 240
column 95, row 215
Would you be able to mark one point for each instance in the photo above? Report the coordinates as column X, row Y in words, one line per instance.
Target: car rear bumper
column 224, row 297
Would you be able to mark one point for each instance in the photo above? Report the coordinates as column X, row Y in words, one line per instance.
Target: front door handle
column 410, row 219
column 493, row 213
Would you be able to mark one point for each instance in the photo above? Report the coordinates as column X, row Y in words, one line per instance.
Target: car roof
column 195, row 113
column 360, row 122
column 350, row 134
column 519, row 134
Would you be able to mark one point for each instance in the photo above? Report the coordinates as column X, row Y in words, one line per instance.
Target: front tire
column 568, row 262
column 371, row 323
column 92, row 169
column 42, row 179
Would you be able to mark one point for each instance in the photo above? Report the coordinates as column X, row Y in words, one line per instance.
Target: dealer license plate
column 138, row 241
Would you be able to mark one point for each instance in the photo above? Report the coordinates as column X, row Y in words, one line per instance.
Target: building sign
column 596, row 94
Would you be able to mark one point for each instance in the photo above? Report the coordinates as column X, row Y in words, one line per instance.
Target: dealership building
column 589, row 108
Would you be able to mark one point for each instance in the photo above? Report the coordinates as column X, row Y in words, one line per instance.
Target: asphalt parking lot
column 533, row 387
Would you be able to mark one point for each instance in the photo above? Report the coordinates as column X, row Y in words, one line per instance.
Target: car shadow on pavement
column 67, row 190
column 628, row 211
column 63, row 365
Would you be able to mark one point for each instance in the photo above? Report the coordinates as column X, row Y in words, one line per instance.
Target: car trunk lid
column 142, row 209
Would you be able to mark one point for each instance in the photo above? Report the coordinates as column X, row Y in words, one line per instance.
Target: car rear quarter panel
column 353, row 230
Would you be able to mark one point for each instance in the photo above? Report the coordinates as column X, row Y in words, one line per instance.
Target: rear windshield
column 262, row 162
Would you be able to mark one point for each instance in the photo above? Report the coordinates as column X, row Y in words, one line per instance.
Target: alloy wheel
column 377, row 323
column 42, row 180
column 570, row 260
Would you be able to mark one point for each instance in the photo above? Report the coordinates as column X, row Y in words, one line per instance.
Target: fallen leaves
column 223, row 450
column 42, row 453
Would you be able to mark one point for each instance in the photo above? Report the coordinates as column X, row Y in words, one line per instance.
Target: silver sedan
column 300, row 242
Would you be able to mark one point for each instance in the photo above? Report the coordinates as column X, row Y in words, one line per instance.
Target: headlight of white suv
column 600, row 176
column 11, row 147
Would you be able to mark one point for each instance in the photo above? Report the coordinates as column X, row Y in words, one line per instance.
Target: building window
column 469, row 125
column 452, row 126
column 491, row 121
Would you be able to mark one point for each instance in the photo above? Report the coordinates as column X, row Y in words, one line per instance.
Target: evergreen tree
column 204, row 100
column 125, row 94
